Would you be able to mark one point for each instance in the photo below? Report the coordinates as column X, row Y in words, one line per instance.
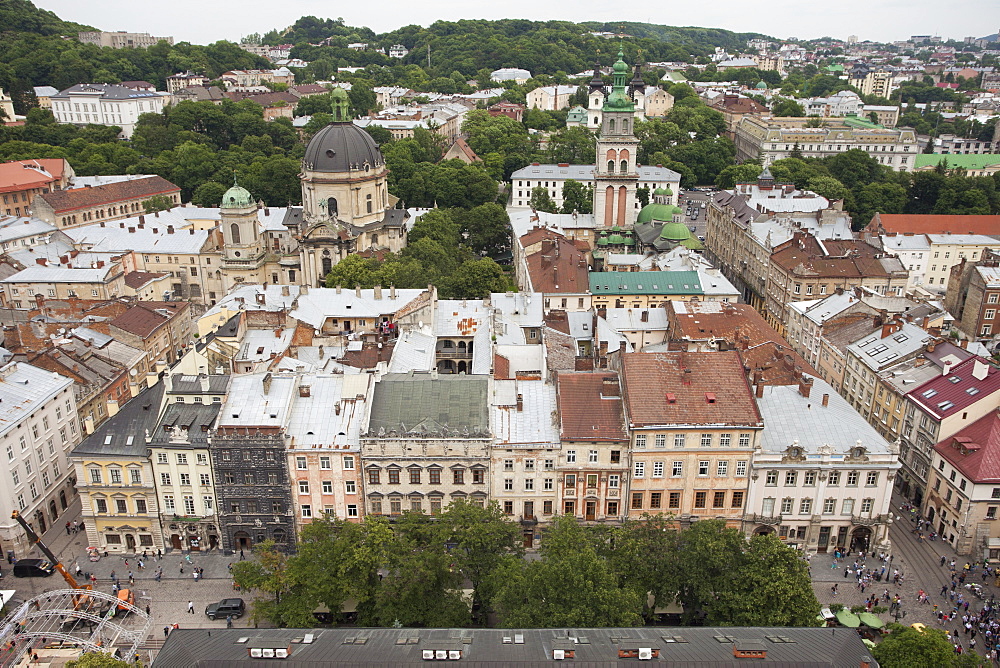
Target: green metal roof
column 954, row 160
column 861, row 123
column 404, row 403
column 645, row 283
column 236, row 197
column 663, row 213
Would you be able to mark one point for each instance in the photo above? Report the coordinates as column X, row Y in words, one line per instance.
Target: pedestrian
column 143, row 553
column 67, row 528
column 126, row 563
column 230, row 567
column 943, row 559
column 181, row 567
column 944, row 590
column 74, row 526
column 113, row 578
column 140, row 565
column 191, row 607
column 229, row 621
column 241, row 555
column 195, row 575
column 166, row 631
column 76, row 567
column 147, row 609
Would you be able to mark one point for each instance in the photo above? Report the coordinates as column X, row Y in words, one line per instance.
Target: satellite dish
column 133, row 373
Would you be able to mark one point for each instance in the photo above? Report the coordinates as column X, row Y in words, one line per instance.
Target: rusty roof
column 558, row 267
column 586, row 414
column 934, row 224
column 685, row 388
column 144, row 318
column 85, row 198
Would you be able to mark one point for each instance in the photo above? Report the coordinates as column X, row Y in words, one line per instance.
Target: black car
column 33, row 568
column 227, row 606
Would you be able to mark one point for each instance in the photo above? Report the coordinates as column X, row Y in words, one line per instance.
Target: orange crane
column 33, row 538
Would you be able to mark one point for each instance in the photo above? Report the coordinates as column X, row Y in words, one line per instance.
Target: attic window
column 945, row 405
column 929, row 393
column 260, row 351
column 710, row 397
column 954, row 379
column 671, row 398
column 972, row 391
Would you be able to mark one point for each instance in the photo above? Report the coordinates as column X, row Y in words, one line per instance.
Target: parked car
column 33, row 568
column 227, row 606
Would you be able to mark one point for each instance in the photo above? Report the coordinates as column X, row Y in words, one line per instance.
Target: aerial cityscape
column 497, row 340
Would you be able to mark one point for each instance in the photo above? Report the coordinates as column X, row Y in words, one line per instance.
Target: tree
column 570, row 586
column 540, row 200
column 577, row 197
column 828, row 187
column 786, row 107
column 158, row 203
column 486, row 229
column 906, row 647
column 99, row 660
column 476, row 279
column 208, row 194
column 266, row 572
column 351, row 271
column 770, row 586
column 733, row 174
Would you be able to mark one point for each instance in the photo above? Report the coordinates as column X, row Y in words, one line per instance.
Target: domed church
column 346, row 208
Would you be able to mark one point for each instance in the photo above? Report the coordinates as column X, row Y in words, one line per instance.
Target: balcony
column 868, row 521
column 765, row 519
column 528, row 520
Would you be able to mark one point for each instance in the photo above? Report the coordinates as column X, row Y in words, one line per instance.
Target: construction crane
column 33, row 538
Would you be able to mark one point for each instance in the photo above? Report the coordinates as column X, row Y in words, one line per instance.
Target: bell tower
column 243, row 248
column 616, row 174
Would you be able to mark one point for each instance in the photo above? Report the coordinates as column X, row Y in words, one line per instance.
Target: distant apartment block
column 121, row 39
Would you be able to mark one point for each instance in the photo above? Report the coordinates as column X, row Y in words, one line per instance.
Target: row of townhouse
column 204, row 461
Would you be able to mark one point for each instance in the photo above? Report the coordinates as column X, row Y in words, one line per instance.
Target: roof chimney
column 378, row 292
column 805, row 385
column 41, row 260
column 357, row 290
column 392, row 291
column 610, row 387
column 170, row 229
column 267, row 382
column 826, row 399
column 285, row 291
column 644, row 317
column 759, row 392
column 520, row 403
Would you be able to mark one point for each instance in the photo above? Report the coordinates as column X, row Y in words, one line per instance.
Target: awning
column 848, row 619
column 870, row 620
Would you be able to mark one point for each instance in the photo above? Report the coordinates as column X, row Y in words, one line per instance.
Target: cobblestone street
column 919, row 564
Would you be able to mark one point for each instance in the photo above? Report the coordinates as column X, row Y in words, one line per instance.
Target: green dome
column 236, row 197
column 761, row 85
column 616, row 228
column 603, row 241
column 675, row 232
column 616, row 239
column 664, row 192
column 620, row 65
column 659, row 212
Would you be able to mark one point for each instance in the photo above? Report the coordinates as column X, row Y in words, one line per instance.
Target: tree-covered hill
column 39, row 49
column 22, row 16
column 467, row 46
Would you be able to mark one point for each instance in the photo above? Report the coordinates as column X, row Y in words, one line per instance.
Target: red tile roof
column 24, row 174
column 682, row 388
column 85, row 198
column 934, row 224
column 958, row 389
column 137, row 279
column 975, row 450
column 585, row 414
column 761, row 348
column 559, row 267
column 144, row 318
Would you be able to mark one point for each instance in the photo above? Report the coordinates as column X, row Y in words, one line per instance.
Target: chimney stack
column 759, row 392
column 392, row 291
column 645, row 316
column 520, row 403
column 285, row 291
column 378, row 292
column 170, row 229
column 357, row 290
column 805, row 385
column 610, row 387
column 826, row 399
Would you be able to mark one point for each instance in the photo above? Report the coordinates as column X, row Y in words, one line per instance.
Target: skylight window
column 954, row 379
column 972, row 391
column 880, row 348
column 945, row 405
column 929, row 393
column 899, row 338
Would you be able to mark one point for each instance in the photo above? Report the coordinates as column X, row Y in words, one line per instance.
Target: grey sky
column 202, row 21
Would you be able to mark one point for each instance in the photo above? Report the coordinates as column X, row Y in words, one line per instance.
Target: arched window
column 611, row 125
column 331, row 206
column 374, row 239
column 625, row 125
column 611, row 166
column 624, row 167
column 234, row 232
column 327, row 265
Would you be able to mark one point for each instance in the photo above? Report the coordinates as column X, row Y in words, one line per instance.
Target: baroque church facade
column 346, row 208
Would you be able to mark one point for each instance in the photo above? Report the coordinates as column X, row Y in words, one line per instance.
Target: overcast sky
column 205, row 21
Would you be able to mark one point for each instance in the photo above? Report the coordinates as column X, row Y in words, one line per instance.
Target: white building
column 553, row 177
column 550, row 98
column 913, row 250
column 105, row 104
column 822, row 477
column 39, row 424
column 398, row 51
column 514, row 74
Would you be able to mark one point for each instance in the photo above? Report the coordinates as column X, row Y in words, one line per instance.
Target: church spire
column 619, row 99
column 597, row 82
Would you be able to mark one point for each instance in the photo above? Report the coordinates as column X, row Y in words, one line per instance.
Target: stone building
column 427, row 443
column 253, row 487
